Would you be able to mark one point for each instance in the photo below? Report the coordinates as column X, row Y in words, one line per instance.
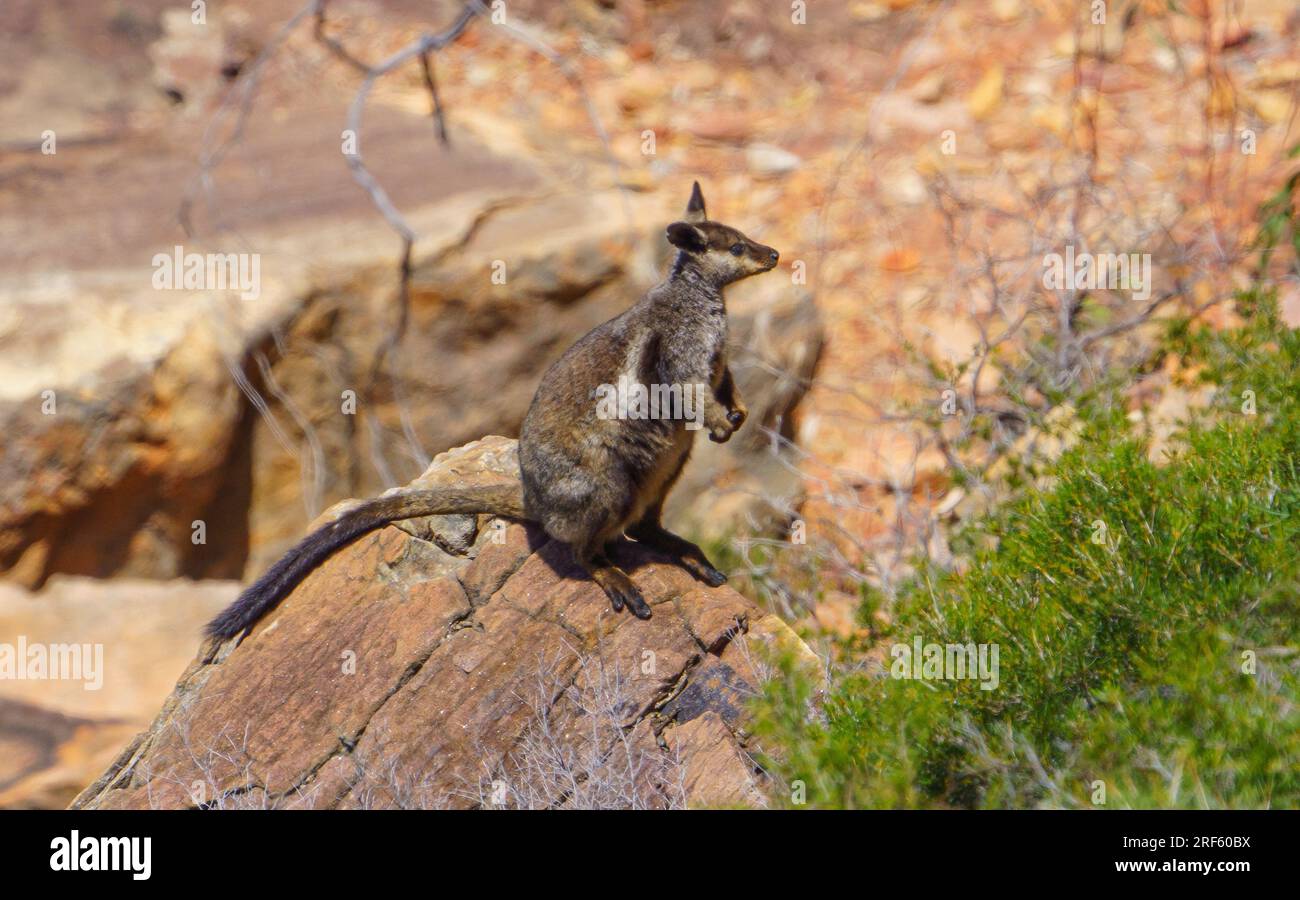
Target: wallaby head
column 720, row 253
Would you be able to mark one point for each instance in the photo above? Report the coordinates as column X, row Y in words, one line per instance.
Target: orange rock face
column 401, row 673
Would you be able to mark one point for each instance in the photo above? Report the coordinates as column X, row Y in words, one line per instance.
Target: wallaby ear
column 695, row 208
column 686, row 236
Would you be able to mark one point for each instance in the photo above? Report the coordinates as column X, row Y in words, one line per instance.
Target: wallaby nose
column 773, row 257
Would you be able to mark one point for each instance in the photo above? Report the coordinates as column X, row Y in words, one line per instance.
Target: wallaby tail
column 263, row 594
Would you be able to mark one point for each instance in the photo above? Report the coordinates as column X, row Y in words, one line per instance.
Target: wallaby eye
column 737, row 249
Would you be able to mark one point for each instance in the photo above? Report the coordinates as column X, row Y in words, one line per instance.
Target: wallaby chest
column 691, row 335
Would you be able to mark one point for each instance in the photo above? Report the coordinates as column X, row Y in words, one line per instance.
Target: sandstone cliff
column 464, row 661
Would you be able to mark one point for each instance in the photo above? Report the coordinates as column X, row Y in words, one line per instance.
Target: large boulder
column 465, row 661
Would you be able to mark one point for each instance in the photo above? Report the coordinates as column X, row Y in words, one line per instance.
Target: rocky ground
column 401, row 674
column 57, row 735
column 894, row 152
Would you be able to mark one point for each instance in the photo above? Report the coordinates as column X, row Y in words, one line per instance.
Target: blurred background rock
column 821, row 138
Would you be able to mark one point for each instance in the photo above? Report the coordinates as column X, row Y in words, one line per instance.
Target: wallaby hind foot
column 615, row 582
column 689, row 556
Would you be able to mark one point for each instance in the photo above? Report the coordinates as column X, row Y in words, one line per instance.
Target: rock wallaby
column 589, row 478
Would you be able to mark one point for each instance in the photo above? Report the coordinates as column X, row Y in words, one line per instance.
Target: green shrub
column 1121, row 650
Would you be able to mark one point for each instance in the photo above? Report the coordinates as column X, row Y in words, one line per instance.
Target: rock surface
column 58, row 734
column 46, row 757
column 461, row 662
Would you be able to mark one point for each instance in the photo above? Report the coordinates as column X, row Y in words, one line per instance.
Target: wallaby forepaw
column 722, row 432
